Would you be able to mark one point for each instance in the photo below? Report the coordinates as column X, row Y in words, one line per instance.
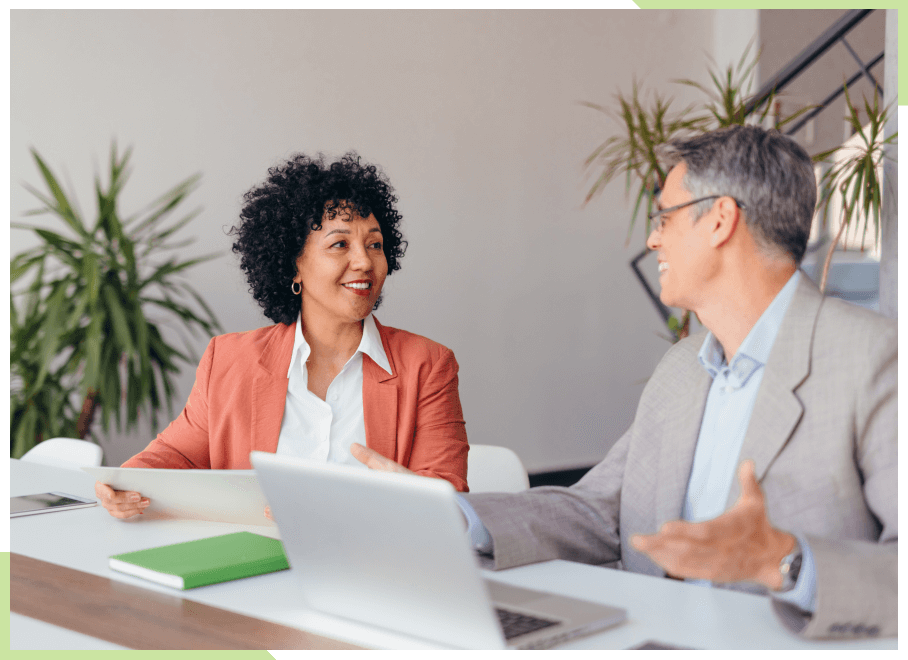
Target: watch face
column 789, row 568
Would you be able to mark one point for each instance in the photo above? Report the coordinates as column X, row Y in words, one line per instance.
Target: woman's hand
column 371, row 459
column 121, row 503
column 375, row 461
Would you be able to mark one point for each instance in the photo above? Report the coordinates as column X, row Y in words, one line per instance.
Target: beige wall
column 474, row 117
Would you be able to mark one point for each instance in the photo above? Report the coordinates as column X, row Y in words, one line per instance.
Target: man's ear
column 724, row 221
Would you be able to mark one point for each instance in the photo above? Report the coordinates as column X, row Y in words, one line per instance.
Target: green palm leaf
column 78, row 325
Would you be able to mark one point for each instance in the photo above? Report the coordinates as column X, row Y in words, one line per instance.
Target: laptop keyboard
column 515, row 624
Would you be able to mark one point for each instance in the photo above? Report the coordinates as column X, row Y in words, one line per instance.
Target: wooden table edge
column 140, row 618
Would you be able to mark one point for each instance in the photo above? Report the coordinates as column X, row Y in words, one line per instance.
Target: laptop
column 391, row 550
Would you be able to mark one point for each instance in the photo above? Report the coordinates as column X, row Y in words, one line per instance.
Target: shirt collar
column 756, row 347
column 370, row 344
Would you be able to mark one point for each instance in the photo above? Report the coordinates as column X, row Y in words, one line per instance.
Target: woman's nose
column 359, row 259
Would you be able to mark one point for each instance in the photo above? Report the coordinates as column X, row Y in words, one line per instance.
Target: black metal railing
column 833, row 34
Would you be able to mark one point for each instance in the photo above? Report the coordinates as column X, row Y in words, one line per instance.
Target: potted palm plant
column 83, row 335
column 853, row 182
column 646, row 123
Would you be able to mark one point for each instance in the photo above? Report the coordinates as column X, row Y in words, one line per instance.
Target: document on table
column 218, row 495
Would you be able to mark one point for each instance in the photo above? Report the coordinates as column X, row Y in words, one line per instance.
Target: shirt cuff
column 804, row 593
column 480, row 538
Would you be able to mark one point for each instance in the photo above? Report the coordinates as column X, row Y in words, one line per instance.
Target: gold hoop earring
column 297, row 288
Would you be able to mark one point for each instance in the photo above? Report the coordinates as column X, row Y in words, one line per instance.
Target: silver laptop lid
column 381, row 548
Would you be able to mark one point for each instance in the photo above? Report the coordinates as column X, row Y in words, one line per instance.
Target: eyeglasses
column 658, row 217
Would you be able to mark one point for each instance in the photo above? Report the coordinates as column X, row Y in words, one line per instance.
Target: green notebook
column 206, row 561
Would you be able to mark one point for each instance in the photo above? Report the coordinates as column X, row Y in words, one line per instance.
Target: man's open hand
column 375, row 461
column 740, row 545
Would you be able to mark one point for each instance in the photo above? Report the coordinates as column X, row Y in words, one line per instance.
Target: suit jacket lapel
column 777, row 409
column 681, row 428
column 269, row 389
column 380, row 401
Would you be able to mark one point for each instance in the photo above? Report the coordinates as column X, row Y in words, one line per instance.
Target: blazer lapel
column 269, row 389
column 777, row 409
column 681, row 428
column 380, row 401
column 380, row 409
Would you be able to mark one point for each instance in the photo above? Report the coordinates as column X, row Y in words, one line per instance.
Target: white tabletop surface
column 666, row 611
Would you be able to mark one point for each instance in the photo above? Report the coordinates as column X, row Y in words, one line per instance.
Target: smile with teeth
column 359, row 285
column 662, row 267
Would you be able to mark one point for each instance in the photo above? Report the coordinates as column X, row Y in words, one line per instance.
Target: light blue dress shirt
column 725, row 420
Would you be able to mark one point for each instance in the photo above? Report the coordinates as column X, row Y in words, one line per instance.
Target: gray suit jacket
column 823, row 438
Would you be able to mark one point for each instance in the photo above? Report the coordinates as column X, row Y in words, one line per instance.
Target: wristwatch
column 789, row 567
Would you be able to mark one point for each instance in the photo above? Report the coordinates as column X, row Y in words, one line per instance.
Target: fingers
column 363, row 454
column 643, row 542
column 673, row 535
column 739, row 545
column 678, row 548
column 371, row 458
column 268, row 513
column 665, row 551
column 375, row 461
column 121, row 503
column 750, row 487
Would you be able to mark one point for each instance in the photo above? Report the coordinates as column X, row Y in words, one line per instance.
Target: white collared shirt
column 324, row 430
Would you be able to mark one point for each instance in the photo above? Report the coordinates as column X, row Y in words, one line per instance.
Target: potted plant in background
column 643, row 125
column 853, row 183
column 83, row 336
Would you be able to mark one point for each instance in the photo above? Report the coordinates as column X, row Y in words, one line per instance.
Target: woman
column 316, row 242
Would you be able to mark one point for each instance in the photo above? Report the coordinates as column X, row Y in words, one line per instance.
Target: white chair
column 495, row 469
column 66, row 453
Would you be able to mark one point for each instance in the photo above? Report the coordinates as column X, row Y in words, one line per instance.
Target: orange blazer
column 412, row 416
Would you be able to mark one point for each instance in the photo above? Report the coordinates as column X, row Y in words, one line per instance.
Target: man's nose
column 653, row 241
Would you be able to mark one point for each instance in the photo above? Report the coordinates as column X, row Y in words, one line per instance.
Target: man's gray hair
column 769, row 173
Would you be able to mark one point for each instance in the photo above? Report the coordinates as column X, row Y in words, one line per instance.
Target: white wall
column 734, row 29
column 889, row 259
column 474, row 117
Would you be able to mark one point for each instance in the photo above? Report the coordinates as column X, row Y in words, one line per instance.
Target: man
column 794, row 393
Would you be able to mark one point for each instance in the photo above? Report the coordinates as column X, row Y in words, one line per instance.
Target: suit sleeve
column 579, row 523
column 184, row 443
column 857, row 581
column 440, row 446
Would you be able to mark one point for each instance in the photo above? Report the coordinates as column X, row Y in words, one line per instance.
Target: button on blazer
column 412, row 416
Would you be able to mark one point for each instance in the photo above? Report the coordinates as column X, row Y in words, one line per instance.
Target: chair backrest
column 66, row 453
column 495, row 469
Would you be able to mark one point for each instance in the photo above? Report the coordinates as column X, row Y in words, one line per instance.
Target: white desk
column 663, row 610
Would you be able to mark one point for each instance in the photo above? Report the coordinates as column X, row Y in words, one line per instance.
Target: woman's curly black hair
column 279, row 214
